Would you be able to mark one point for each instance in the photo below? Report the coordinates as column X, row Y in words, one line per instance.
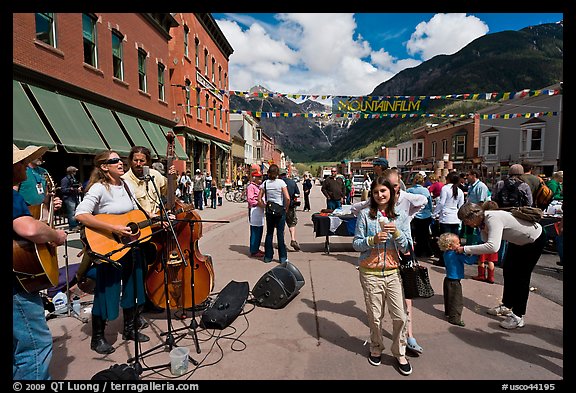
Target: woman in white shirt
column 526, row 242
column 274, row 190
column 446, row 210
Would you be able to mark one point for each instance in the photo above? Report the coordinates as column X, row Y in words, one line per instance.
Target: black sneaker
column 405, row 369
column 374, row 360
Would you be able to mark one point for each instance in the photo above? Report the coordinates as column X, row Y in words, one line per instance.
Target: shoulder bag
column 272, row 208
column 415, row 278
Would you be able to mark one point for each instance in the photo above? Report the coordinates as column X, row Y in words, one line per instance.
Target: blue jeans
column 31, row 337
column 278, row 223
column 70, row 210
column 255, row 238
column 333, row 204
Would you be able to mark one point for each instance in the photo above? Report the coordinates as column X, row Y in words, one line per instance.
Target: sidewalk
column 321, row 333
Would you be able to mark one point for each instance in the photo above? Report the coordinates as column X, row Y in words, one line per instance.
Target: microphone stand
column 193, row 324
column 170, row 342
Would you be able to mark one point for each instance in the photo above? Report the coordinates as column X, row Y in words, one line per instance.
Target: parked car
column 358, row 180
column 408, row 177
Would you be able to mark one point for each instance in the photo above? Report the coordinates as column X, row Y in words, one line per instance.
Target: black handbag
column 415, row 278
column 272, row 208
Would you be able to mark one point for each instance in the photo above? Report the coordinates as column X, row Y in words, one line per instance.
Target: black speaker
column 227, row 306
column 278, row 287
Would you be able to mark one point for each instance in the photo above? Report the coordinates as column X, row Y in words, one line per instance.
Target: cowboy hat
column 29, row 154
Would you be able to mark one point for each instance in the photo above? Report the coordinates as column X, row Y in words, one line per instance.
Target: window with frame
column 219, row 77
column 459, row 146
column 186, row 34
column 46, row 28
column 489, row 145
column 444, row 146
column 187, row 92
column 213, row 70
column 206, row 62
column 161, row 69
column 207, row 109
column 434, row 148
column 89, row 40
column 117, row 55
column 197, row 51
column 198, row 105
column 418, row 149
column 221, row 116
column 142, row 55
column 214, row 114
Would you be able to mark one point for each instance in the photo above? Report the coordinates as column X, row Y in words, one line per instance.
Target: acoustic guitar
column 36, row 265
column 113, row 246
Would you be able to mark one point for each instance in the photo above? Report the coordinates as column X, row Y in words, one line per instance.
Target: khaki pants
column 377, row 292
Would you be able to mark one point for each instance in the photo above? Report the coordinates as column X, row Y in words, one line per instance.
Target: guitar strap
column 135, row 200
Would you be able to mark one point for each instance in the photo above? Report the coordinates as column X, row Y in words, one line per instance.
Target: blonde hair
column 418, row 179
column 447, row 240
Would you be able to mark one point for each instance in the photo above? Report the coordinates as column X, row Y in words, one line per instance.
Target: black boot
column 98, row 342
column 141, row 322
column 128, row 333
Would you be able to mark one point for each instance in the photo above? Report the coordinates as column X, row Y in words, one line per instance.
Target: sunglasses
column 115, row 160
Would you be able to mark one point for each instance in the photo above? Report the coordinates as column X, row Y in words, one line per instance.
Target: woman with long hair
column 107, row 193
column 382, row 231
column 275, row 190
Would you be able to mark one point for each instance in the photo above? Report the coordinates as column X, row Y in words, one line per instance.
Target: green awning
column 179, row 150
column 156, row 136
column 70, row 122
column 136, row 133
column 110, row 129
column 27, row 128
column 222, row 146
column 203, row 140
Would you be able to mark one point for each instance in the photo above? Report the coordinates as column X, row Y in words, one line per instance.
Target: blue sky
column 349, row 54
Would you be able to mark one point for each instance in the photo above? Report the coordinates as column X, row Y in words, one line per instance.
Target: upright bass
column 190, row 275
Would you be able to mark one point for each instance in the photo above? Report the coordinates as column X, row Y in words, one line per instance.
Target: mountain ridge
column 506, row 61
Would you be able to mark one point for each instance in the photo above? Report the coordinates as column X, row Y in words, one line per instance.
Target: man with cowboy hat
column 32, row 340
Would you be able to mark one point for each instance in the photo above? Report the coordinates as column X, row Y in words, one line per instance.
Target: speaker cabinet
column 278, row 287
column 227, row 306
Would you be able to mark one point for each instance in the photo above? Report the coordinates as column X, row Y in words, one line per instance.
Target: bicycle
column 240, row 195
column 229, row 195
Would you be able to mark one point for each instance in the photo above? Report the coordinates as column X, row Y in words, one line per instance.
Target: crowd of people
column 394, row 223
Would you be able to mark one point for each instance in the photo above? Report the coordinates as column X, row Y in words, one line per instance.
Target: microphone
column 146, row 175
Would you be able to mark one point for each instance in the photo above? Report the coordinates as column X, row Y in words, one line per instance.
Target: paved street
column 321, row 333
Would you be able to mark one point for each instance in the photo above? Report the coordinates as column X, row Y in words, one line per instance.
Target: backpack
column 543, row 195
column 527, row 213
column 510, row 195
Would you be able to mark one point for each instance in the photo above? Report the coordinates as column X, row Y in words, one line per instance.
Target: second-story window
column 214, row 122
column 213, row 70
column 434, row 147
column 186, row 34
column 207, row 109
column 459, row 146
column 46, row 28
column 89, row 40
column 142, row 69
column 221, row 116
column 198, row 104
column 206, row 62
column 117, row 55
column 188, row 97
column 161, row 69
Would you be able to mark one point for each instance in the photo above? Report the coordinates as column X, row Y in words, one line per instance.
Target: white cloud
column 445, row 34
column 323, row 53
